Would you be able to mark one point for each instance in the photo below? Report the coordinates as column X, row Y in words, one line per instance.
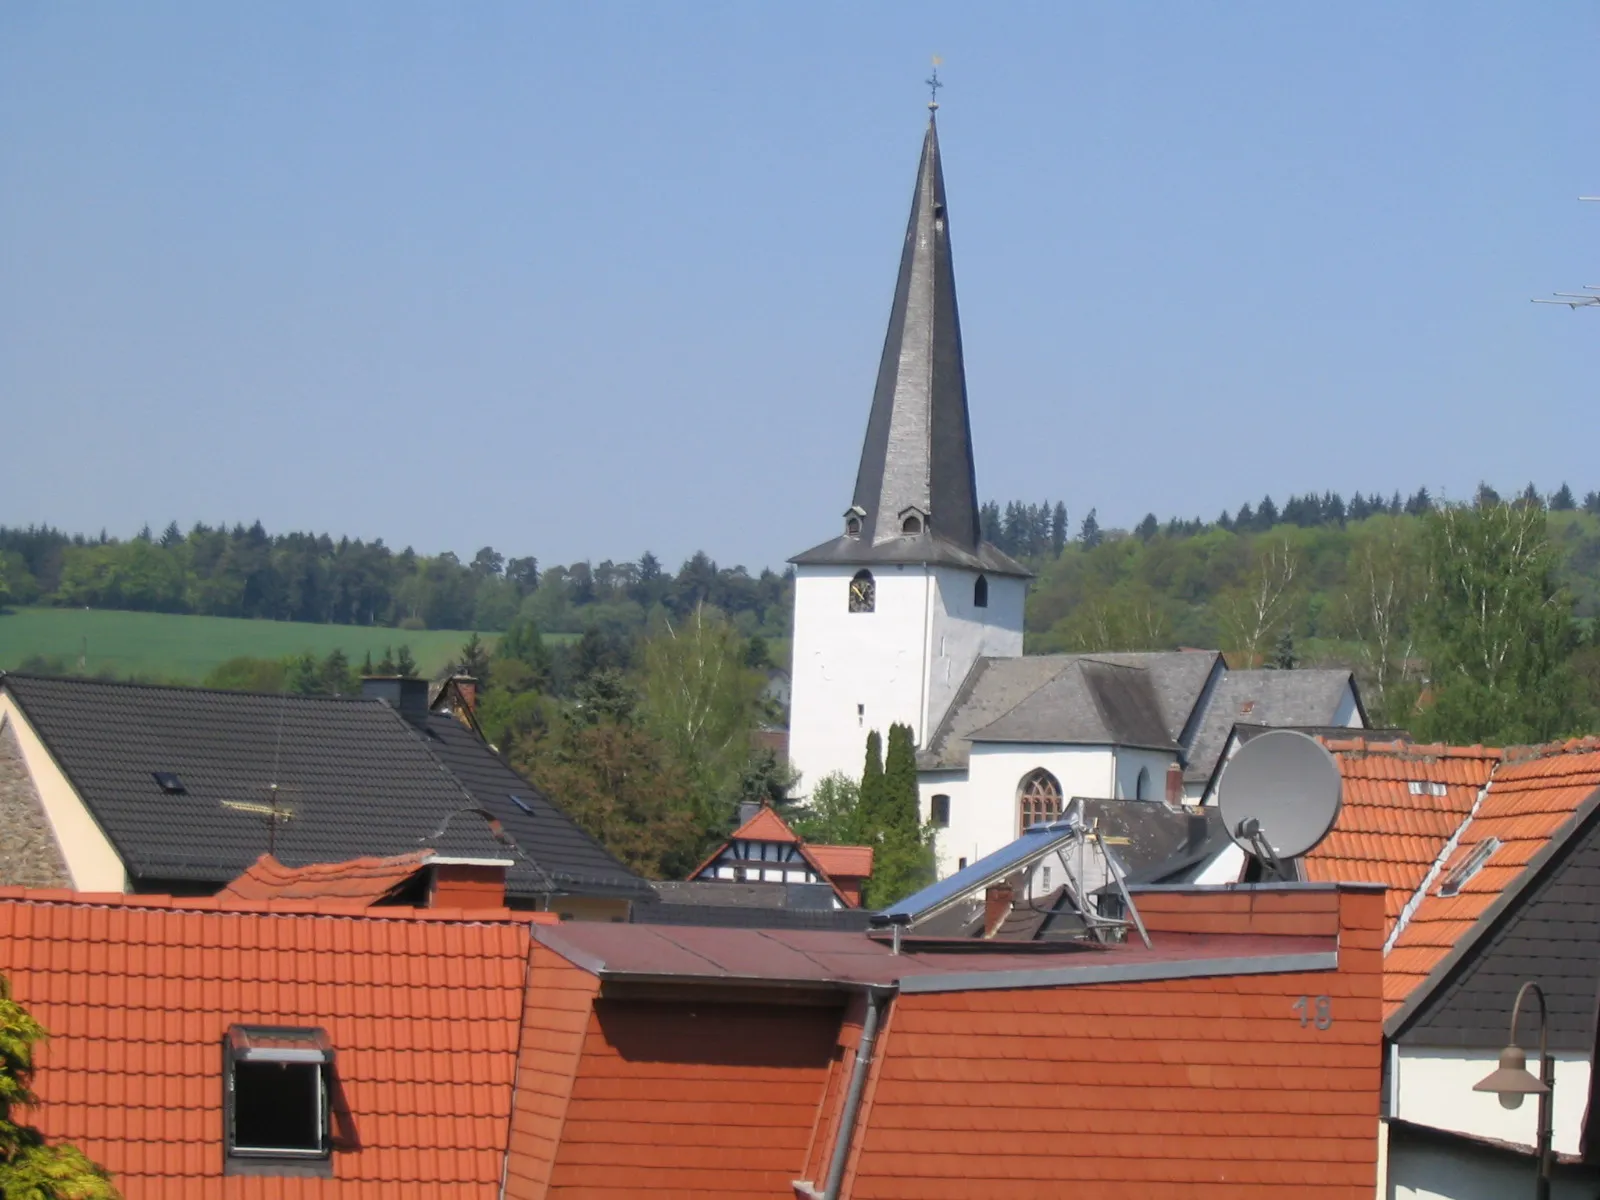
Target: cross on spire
column 933, row 86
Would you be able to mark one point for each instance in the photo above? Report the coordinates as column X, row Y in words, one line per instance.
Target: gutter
column 876, row 1002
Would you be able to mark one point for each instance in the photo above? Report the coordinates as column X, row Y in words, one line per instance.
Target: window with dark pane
column 939, row 811
column 980, row 593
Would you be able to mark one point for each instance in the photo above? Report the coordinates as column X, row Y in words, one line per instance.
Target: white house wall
column 1131, row 762
column 1425, row 1170
column 1434, row 1087
column 855, row 672
column 91, row 859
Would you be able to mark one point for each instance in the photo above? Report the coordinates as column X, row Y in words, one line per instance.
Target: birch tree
column 1252, row 613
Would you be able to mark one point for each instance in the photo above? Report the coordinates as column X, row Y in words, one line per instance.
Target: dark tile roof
column 359, row 779
column 729, row 893
column 1299, row 698
column 1073, row 698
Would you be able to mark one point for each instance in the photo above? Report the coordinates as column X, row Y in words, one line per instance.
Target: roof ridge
column 268, row 908
column 84, row 681
column 1436, row 868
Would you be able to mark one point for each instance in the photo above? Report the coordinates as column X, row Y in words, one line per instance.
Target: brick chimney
column 468, row 883
column 1174, row 784
column 467, row 689
column 996, row 907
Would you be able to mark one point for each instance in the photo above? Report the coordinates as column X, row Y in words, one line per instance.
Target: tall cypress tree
column 870, row 805
column 902, row 862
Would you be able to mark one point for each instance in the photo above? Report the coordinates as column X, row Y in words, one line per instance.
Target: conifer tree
column 870, row 803
column 404, row 664
column 902, row 860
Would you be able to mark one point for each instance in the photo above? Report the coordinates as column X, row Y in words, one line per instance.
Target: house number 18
column 1314, row 1010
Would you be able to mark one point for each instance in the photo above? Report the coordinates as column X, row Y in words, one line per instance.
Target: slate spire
column 917, row 457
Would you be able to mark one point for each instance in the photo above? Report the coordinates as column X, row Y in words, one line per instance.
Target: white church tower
column 891, row 615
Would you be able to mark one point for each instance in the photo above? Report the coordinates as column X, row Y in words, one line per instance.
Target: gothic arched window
column 1038, row 798
column 912, row 524
column 980, row 593
column 1141, row 789
column 863, row 593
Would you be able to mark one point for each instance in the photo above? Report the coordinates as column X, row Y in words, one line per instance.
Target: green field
column 186, row 648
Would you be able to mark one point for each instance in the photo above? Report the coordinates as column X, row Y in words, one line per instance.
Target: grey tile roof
column 925, row 548
column 359, row 779
column 1060, row 698
column 1301, row 698
column 1550, row 933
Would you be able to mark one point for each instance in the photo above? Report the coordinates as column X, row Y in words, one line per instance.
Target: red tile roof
column 1533, row 795
column 842, row 861
column 422, row 1008
column 1211, row 1087
column 362, row 881
column 765, row 826
column 1393, row 825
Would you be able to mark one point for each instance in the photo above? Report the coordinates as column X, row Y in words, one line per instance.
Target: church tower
column 890, row 615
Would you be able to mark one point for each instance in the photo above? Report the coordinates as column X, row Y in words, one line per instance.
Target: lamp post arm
column 1547, row 1076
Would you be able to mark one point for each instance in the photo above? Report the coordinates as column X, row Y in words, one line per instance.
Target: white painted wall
column 983, row 807
column 1130, row 762
column 1421, row 1170
column 854, row 672
column 1434, row 1087
column 903, row 662
column 92, row 861
column 961, row 633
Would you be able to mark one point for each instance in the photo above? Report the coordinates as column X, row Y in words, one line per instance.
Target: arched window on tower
column 1038, row 798
column 863, row 593
column 980, row 593
column 912, row 524
column 1141, row 788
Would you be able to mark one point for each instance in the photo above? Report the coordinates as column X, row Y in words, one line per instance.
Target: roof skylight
column 1468, row 867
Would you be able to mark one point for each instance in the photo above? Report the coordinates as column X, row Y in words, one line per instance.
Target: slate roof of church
column 1298, row 698
column 359, row 778
column 917, row 453
column 1132, row 699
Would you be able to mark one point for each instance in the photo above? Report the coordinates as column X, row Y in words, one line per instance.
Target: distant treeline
column 1033, row 531
column 247, row 572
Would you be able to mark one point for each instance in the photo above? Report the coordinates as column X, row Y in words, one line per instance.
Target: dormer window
column 980, row 593
column 852, row 520
column 863, row 593
column 912, row 522
column 276, row 1088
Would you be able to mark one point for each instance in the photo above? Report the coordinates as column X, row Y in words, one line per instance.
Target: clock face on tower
column 863, row 596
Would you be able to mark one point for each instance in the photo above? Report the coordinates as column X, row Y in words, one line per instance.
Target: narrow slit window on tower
column 863, row 593
column 1141, row 787
column 980, row 593
column 939, row 811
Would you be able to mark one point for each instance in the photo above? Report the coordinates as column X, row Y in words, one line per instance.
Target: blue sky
column 582, row 280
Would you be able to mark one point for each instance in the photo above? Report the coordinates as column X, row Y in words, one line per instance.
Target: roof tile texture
column 1528, row 802
column 362, row 881
column 1389, row 831
column 1217, row 1087
column 694, row 1099
column 423, row 1015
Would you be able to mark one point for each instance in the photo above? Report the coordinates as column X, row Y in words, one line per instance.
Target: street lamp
column 1513, row 1082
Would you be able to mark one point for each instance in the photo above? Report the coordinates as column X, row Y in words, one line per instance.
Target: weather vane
column 934, row 85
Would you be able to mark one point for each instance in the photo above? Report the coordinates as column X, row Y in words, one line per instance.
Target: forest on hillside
column 1315, row 580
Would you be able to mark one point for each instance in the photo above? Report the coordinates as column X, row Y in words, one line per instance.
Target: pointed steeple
column 916, row 495
column 916, row 463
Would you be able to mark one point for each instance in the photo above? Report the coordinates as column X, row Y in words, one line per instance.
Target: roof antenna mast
column 934, row 85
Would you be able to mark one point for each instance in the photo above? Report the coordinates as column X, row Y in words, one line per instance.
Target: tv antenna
column 1588, row 298
column 1279, row 796
column 273, row 812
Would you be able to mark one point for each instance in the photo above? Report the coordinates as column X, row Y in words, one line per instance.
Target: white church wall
column 854, row 672
column 960, row 632
column 984, row 814
column 947, row 853
column 1130, row 762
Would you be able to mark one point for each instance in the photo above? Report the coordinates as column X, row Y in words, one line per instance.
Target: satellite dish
column 1280, row 792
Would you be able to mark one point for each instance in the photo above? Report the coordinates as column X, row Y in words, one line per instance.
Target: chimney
column 1174, row 783
column 996, row 907
column 467, row 883
column 408, row 697
column 467, row 689
column 748, row 810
